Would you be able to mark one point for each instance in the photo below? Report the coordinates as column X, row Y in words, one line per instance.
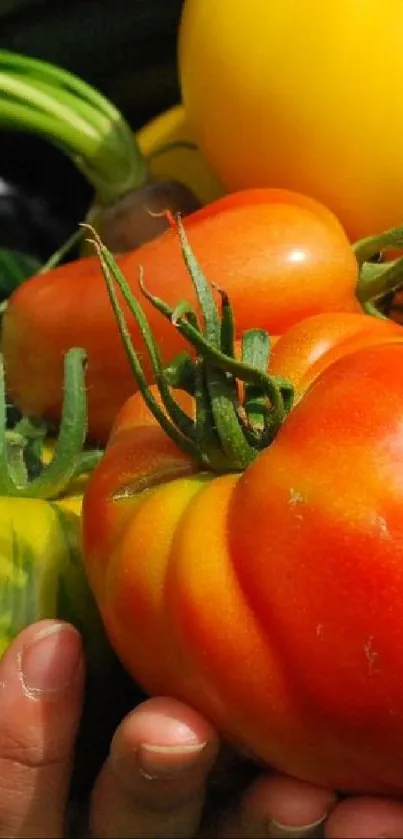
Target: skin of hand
column 166, row 775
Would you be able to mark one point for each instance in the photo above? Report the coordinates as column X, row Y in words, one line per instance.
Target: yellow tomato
column 302, row 95
column 41, row 570
column 180, row 163
column 73, row 501
column 42, row 574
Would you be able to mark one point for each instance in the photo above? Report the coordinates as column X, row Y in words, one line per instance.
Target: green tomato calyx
column 238, row 405
column 378, row 278
column 22, row 471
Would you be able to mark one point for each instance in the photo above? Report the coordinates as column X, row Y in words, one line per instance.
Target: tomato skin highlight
column 271, row 600
column 280, row 257
column 272, row 99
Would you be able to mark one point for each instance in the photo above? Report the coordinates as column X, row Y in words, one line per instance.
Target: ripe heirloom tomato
column 269, row 597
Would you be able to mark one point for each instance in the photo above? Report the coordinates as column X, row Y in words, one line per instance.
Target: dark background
column 125, row 48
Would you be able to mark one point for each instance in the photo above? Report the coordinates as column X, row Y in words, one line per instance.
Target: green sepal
column 378, row 276
column 256, row 353
column 218, row 434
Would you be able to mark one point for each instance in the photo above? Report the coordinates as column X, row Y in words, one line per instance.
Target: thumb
column 41, row 690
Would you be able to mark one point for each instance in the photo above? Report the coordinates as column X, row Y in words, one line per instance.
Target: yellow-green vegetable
column 41, row 570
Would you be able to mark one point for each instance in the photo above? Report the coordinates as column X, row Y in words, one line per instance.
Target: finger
column 41, row 685
column 355, row 818
column 153, row 783
column 278, row 806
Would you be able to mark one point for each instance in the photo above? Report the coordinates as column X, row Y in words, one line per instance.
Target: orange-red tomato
column 272, row 600
column 279, row 255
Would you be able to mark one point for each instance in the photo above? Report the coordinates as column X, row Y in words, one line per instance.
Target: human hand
column 165, row 775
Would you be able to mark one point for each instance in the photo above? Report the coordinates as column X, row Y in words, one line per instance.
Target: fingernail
column 49, row 661
column 283, row 831
column 168, row 761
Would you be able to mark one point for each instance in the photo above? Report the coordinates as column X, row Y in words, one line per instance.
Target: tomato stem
column 39, row 97
column 56, row 257
column 227, row 429
column 378, row 278
column 24, row 442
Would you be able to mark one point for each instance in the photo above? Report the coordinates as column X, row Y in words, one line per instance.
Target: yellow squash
column 164, row 135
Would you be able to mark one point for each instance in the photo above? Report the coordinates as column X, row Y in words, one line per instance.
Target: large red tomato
column 271, row 598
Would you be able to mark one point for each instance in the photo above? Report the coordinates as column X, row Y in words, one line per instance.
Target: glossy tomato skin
column 272, row 600
column 326, row 582
column 278, row 94
column 311, row 345
column 280, row 257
